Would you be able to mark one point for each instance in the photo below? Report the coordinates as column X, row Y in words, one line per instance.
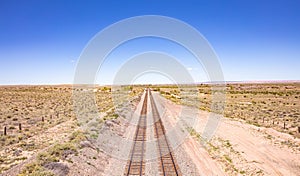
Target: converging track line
column 167, row 163
column 136, row 164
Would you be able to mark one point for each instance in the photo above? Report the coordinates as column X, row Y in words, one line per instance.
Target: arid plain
column 259, row 134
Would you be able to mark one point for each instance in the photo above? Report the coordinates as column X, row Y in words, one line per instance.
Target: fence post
column 20, row 126
column 5, row 131
column 43, row 119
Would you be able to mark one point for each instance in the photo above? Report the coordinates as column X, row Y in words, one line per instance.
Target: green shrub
column 34, row 169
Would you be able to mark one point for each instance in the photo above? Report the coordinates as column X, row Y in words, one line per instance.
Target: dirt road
column 237, row 148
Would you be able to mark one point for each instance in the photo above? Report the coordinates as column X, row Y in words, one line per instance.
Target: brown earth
column 238, row 147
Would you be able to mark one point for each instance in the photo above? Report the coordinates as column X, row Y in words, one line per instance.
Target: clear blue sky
column 40, row 40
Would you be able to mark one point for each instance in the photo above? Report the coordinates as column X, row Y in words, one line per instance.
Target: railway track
column 136, row 164
column 167, row 163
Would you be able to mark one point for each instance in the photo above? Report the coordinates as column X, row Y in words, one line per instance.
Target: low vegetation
column 54, row 154
column 35, row 117
column 272, row 105
column 232, row 162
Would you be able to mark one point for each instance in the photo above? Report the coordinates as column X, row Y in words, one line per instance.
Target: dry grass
column 274, row 105
column 39, row 109
column 35, row 108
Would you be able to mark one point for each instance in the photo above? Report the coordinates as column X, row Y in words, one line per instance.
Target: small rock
column 109, row 123
column 66, row 153
column 115, row 121
column 84, row 144
column 59, row 169
column 17, row 152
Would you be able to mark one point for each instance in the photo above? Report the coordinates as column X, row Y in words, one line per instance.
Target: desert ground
column 41, row 133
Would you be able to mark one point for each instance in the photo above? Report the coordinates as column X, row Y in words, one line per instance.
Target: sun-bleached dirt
column 192, row 158
column 61, row 133
column 239, row 148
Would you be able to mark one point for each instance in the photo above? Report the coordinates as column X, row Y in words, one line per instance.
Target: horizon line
column 206, row 82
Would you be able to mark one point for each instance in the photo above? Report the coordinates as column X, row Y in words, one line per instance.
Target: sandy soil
column 239, row 148
column 236, row 149
column 61, row 133
column 192, row 158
